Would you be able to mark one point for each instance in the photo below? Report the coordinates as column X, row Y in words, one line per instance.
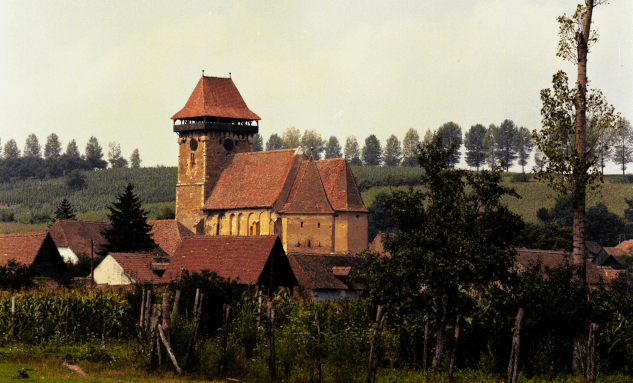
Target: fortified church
column 225, row 189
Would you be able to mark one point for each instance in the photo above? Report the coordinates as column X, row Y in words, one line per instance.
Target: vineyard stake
column 194, row 335
column 195, row 302
column 259, row 308
column 92, row 261
column 166, row 317
column 226, row 315
column 513, row 367
column 375, row 342
column 169, row 351
column 174, row 310
column 318, row 347
column 13, row 317
column 451, row 367
column 148, row 307
column 67, row 315
column 271, row 341
column 141, row 320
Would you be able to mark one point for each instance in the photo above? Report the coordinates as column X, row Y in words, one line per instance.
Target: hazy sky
column 118, row 70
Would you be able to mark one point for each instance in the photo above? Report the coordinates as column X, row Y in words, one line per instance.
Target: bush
column 521, row 177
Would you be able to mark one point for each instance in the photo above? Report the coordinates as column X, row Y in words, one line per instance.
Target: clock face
column 193, row 144
column 228, row 144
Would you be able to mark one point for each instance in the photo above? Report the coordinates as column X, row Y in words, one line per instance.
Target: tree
column 410, row 148
column 333, row 148
column 135, row 159
column 114, row 156
column 313, row 144
column 75, row 180
column 451, row 133
column 491, row 149
column 291, row 139
column 548, row 236
column 474, row 143
column 603, row 226
column 258, row 143
column 454, row 238
column 524, row 144
column 539, row 162
column 504, row 139
column 623, row 150
column 274, row 142
column 352, row 152
column 372, row 151
column 129, row 232
column 380, row 216
column 11, row 149
column 64, row 211
column 166, row 213
column 72, row 150
column 393, row 152
column 53, row 147
column 32, row 147
column 94, row 155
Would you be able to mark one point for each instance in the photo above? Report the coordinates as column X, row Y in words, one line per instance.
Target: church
column 225, row 189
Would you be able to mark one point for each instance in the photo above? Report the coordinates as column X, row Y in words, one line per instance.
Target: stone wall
column 351, row 232
column 308, row 233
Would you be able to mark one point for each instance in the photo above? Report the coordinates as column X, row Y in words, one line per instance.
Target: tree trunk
column 439, row 344
column 226, row 315
column 591, row 354
column 451, row 367
column 168, row 348
column 375, row 342
column 426, row 339
column 513, row 366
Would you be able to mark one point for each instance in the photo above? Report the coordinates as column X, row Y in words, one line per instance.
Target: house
column 595, row 252
column 257, row 260
column 224, row 189
column 76, row 238
column 125, row 269
column 326, row 276
column 33, row 249
column 167, row 234
column 613, row 258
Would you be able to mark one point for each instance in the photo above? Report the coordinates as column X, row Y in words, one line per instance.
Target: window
column 192, row 159
column 319, row 225
column 301, row 223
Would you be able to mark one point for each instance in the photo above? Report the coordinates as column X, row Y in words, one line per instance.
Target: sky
column 118, row 70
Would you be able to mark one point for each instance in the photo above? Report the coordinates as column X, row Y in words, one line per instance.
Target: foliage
column 114, row 156
column 371, row 176
column 64, row 211
column 333, row 148
column 129, row 232
column 166, row 213
column 312, row 144
column 380, row 216
column 75, row 180
column 524, row 144
column 258, row 143
column 547, row 236
column 11, row 149
column 393, row 152
column 505, row 142
column 32, row 147
column 474, row 144
column 135, row 159
column 410, row 148
column 94, row 154
column 291, row 138
column 72, row 149
column 521, row 177
column 452, row 135
column 53, row 147
column 623, row 148
column 274, row 142
column 491, row 148
column 352, row 151
column 15, row 276
column 372, row 151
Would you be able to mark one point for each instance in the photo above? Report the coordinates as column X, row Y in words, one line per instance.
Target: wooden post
column 513, row 367
column 259, row 308
column 226, row 313
column 152, row 323
column 451, row 367
column 375, row 343
column 168, row 348
column 141, row 321
column 194, row 335
column 195, row 302
column 318, row 346
column 426, row 339
column 92, row 261
column 174, row 310
column 67, row 316
column 591, row 353
column 155, row 324
column 166, row 316
column 271, row 341
column 148, row 307
column 13, row 317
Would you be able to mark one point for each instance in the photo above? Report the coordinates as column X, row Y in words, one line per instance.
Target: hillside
column 156, row 187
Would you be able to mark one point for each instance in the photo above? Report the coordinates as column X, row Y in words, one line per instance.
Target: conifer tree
column 64, row 211
column 258, row 143
column 372, row 151
column 129, row 232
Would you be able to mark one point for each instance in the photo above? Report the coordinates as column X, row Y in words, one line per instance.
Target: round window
column 193, row 144
column 228, row 144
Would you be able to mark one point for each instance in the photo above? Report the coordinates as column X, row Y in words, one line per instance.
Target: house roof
column 307, row 195
column 234, row 257
column 551, row 258
column 21, row 247
column 76, row 235
column 593, row 247
column 257, row 179
column 137, row 266
column 614, row 251
column 378, row 244
column 322, row 271
column 340, row 185
column 167, row 234
column 626, row 245
column 216, row 97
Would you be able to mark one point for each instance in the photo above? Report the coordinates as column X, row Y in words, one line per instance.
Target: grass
column 14, row 227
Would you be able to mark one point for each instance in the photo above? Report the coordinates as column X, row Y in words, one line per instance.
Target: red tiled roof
column 21, row 247
column 593, row 247
column 340, row 185
column 77, row 235
column 167, row 234
column 610, row 273
column 307, row 195
column 319, row 271
column 259, row 179
column 614, row 251
column 626, row 245
column 378, row 244
column 229, row 256
column 550, row 258
column 216, row 97
column 137, row 266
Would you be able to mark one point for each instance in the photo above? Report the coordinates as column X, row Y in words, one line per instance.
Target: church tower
column 214, row 125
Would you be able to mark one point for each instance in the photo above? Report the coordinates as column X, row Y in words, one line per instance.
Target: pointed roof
column 76, row 235
column 234, row 257
column 216, row 97
column 137, row 266
column 340, row 185
column 167, row 234
column 21, row 247
column 323, row 271
column 307, row 195
column 258, row 179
